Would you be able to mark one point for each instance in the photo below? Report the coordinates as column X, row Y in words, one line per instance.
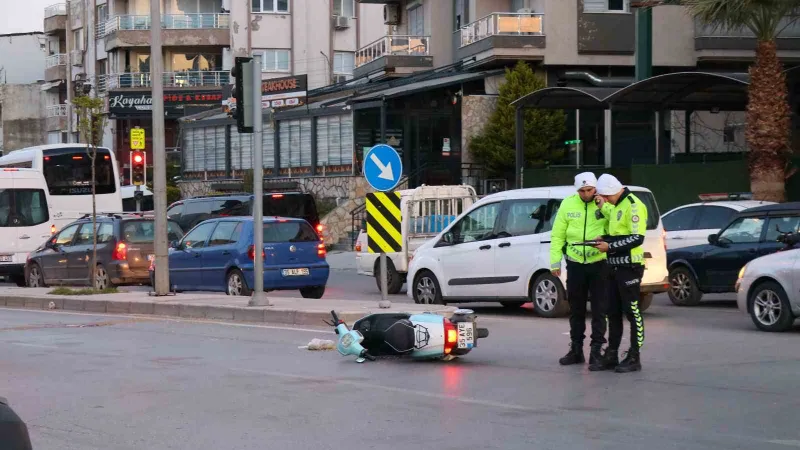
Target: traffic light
column 242, row 72
column 137, row 164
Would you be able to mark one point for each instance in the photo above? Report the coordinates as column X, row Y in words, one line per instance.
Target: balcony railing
column 502, row 24
column 57, row 110
column 790, row 27
column 171, row 79
column 169, row 22
column 393, row 45
column 59, row 9
column 59, row 59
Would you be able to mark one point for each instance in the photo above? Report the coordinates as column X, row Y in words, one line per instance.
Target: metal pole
column 258, row 298
column 70, row 93
column 159, row 152
column 138, row 199
column 520, row 156
column 384, row 303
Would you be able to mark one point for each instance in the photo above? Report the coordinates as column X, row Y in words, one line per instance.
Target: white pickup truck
column 425, row 211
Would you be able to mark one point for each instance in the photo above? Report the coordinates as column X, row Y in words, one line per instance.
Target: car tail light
column 120, row 252
column 450, row 336
column 321, row 251
column 251, row 253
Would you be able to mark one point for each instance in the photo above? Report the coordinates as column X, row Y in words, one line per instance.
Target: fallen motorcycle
column 417, row 336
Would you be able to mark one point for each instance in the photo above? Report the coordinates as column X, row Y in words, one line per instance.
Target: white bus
column 67, row 169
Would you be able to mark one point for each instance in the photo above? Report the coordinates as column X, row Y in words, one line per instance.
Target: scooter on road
column 423, row 336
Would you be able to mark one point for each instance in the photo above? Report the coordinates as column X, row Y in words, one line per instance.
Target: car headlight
column 742, row 271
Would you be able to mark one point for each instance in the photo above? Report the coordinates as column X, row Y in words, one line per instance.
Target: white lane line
column 361, row 385
column 169, row 319
column 23, row 344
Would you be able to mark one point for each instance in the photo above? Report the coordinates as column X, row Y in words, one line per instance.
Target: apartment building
column 105, row 44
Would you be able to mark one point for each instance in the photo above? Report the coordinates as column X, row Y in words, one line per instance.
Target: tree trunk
column 768, row 125
column 94, row 213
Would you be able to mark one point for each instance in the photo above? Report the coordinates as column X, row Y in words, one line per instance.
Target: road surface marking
column 22, row 344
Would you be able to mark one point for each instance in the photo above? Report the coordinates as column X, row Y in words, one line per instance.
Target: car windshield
column 23, row 207
column 289, row 232
column 143, row 231
column 652, row 208
column 290, row 205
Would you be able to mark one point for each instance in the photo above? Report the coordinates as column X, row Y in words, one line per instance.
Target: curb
column 241, row 314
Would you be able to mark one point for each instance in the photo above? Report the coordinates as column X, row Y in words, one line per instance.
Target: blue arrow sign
column 382, row 167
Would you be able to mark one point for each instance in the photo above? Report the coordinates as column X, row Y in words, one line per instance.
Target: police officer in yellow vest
column 577, row 221
column 627, row 225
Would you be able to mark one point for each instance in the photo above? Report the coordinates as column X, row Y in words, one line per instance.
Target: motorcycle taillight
column 450, row 336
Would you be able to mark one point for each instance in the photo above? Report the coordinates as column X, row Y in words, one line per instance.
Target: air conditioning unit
column 391, row 14
column 341, row 22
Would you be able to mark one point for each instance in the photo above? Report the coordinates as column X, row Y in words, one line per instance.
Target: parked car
column 190, row 212
column 504, row 254
column 124, row 251
column 768, row 288
column 217, row 255
column 691, row 224
column 713, row 267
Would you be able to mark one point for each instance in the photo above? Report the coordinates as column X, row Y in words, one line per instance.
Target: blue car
column 217, row 255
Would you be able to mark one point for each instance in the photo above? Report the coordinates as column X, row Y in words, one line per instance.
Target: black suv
column 191, row 211
column 124, row 250
column 714, row 267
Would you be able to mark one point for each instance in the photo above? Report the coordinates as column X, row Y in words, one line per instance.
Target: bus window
column 71, row 173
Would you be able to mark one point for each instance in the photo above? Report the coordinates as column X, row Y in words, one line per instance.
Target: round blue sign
column 383, row 167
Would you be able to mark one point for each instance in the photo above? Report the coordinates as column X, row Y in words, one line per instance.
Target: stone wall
column 476, row 110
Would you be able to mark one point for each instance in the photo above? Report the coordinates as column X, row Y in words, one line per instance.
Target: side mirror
column 446, row 240
column 51, row 244
column 713, row 239
column 173, row 244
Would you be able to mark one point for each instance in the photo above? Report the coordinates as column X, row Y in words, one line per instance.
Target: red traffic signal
column 137, row 168
column 138, row 158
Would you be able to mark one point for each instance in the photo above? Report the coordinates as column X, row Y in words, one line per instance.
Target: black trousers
column 624, row 299
column 583, row 280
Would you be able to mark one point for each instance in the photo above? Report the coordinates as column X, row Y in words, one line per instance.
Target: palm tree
column 768, row 114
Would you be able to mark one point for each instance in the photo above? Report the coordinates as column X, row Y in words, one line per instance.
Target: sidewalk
column 288, row 311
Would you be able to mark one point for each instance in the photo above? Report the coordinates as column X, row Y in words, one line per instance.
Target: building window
column 416, row 22
column 343, row 63
column 595, row 6
column 274, row 60
column 461, row 14
column 270, row 6
column 345, row 8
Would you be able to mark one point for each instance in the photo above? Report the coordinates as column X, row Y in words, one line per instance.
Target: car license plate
column 5, row 258
column 466, row 336
column 295, row 272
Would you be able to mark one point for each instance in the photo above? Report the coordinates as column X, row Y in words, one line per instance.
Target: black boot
column 595, row 354
column 574, row 356
column 631, row 363
column 609, row 361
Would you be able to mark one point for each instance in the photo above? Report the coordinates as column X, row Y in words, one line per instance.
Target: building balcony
column 56, row 117
column 55, row 67
column 502, row 36
column 400, row 55
column 205, row 78
column 210, row 29
column 707, row 39
column 55, row 18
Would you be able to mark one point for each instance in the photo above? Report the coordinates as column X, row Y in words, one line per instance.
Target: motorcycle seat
column 400, row 336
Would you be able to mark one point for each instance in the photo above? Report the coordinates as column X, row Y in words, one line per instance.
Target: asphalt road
column 86, row 382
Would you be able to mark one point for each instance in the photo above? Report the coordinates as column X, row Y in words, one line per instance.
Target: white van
column 505, row 256
column 25, row 219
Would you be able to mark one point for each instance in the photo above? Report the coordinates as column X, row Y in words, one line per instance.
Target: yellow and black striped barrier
column 384, row 222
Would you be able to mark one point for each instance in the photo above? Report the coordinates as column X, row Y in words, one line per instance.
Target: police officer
column 627, row 225
column 576, row 221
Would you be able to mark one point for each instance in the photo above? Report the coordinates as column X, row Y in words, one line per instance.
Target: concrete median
column 285, row 311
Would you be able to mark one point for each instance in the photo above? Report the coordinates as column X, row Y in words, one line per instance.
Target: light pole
column 159, row 152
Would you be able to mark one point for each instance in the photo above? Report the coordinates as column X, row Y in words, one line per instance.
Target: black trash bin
column 13, row 431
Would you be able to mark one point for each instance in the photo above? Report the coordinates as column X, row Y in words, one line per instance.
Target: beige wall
column 673, row 37
column 370, row 23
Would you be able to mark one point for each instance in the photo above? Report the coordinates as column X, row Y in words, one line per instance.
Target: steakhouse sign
column 283, row 92
column 122, row 104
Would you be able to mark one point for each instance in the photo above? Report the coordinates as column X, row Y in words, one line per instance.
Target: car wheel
column 426, row 289
column 236, row 284
column 35, row 276
column 769, row 307
column 645, row 300
column 102, row 280
column 683, row 289
column 313, row 292
column 548, row 296
column 394, row 281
